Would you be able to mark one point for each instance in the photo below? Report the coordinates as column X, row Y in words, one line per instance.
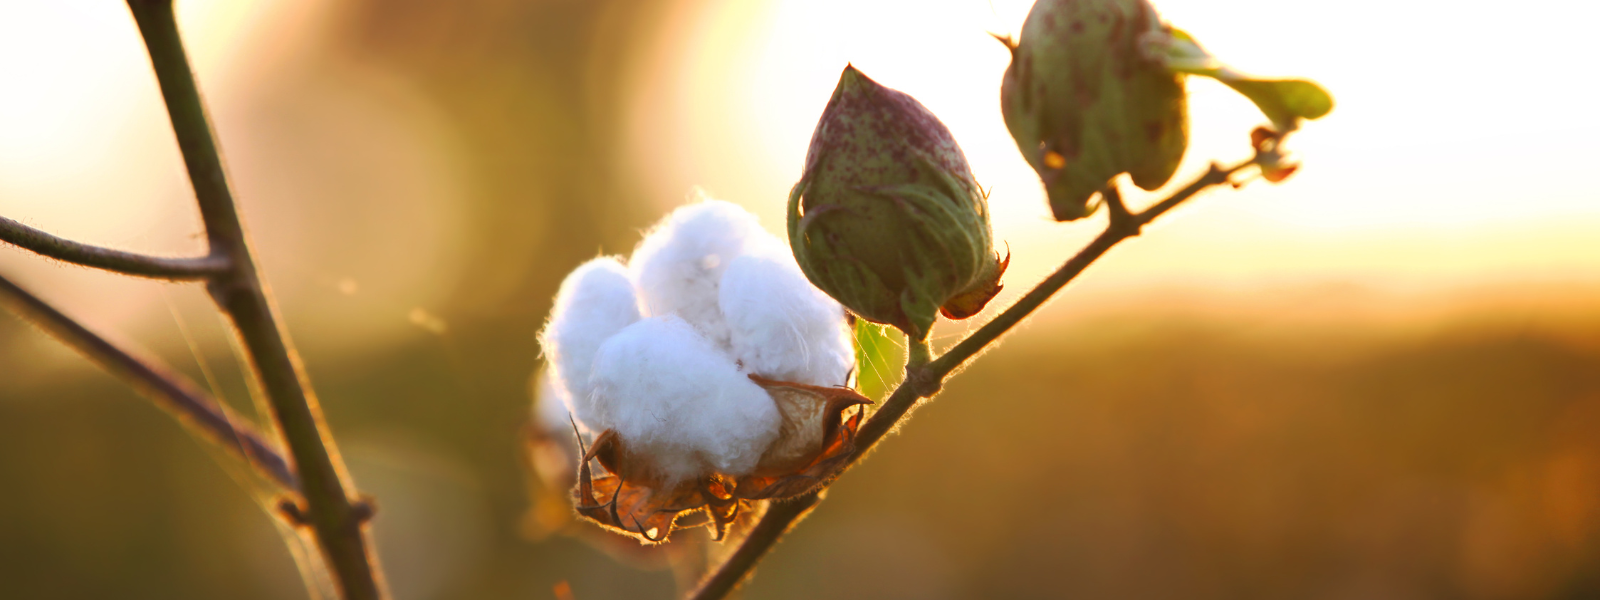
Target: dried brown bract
column 815, row 441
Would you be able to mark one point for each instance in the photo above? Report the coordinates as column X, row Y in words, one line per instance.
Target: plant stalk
column 195, row 409
column 120, row 261
column 335, row 516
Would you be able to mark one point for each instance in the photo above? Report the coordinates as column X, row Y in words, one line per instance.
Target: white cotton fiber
column 782, row 327
column 680, row 263
column 595, row 302
column 550, row 402
column 670, row 394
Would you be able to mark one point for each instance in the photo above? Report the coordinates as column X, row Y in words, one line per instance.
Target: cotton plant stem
column 171, row 391
column 924, row 378
column 781, row 515
column 1122, row 226
column 127, row 263
column 335, row 516
column 918, row 353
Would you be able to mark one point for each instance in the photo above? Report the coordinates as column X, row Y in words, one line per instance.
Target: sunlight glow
column 79, row 153
column 1458, row 149
column 322, row 151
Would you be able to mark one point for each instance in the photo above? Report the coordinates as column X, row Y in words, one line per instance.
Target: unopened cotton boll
column 673, row 397
column 680, row 263
column 595, row 302
column 781, row 326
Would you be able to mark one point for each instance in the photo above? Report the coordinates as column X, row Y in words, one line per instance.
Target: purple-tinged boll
column 887, row 218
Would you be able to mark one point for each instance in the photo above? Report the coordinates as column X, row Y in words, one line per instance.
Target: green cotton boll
column 1085, row 103
column 887, row 218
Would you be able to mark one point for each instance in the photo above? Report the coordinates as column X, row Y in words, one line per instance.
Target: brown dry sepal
column 1264, row 139
column 1275, row 165
column 969, row 303
column 550, row 460
column 814, row 443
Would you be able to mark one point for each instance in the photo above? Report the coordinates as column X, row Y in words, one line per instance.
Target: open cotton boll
column 782, row 327
column 595, row 302
column 673, row 397
column 550, row 402
column 680, row 263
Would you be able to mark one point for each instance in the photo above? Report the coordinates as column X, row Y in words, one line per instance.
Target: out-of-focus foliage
column 1157, row 456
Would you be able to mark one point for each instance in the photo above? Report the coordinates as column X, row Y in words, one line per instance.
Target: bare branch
column 201, row 413
column 334, row 513
column 780, row 516
column 127, row 263
column 1123, row 226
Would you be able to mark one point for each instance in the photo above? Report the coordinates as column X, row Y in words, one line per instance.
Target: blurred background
column 1378, row 380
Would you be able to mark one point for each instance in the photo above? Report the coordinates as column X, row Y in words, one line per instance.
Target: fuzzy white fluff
column 671, row 394
column 680, row 263
column 594, row 303
column 781, row 326
column 660, row 350
column 550, row 402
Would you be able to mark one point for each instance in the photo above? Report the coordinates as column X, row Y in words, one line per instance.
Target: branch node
column 923, row 381
column 364, row 508
column 48, row 245
column 1121, row 221
column 290, row 510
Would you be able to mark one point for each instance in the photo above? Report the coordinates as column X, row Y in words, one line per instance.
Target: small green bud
column 1085, row 103
column 887, row 218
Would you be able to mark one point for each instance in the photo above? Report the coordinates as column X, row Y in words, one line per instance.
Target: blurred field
column 1149, row 454
column 1401, row 411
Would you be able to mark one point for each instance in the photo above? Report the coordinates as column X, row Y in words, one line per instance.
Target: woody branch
column 332, row 510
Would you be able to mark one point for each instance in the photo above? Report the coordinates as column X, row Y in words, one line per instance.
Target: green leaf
column 878, row 359
column 1283, row 101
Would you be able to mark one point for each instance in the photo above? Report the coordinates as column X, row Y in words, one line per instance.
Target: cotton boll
column 680, row 263
column 550, row 402
column 764, row 243
column 595, row 302
column 552, row 446
column 676, row 399
column 781, row 326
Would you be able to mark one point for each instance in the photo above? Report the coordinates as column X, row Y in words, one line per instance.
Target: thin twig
column 780, row 516
column 1119, row 229
column 170, row 390
column 333, row 511
column 127, row 263
column 925, row 380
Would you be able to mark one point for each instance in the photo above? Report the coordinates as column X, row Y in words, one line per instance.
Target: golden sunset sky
column 1462, row 145
column 1461, row 151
